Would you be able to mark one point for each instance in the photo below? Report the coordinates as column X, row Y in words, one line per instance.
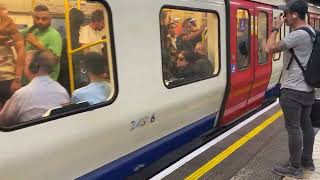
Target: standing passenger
column 40, row 95
column 98, row 90
column 42, row 36
column 171, row 42
column 297, row 96
column 93, row 32
column 185, row 41
column 10, row 69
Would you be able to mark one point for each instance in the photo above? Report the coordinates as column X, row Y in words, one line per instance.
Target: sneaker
column 288, row 170
column 308, row 166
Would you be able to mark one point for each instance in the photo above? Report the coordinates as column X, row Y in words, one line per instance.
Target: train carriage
column 157, row 108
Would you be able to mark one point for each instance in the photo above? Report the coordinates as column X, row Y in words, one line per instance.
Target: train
column 154, row 111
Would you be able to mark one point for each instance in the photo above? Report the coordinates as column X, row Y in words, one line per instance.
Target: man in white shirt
column 40, row 95
column 93, row 32
column 98, row 90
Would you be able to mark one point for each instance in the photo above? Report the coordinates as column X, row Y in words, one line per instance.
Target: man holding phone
column 297, row 96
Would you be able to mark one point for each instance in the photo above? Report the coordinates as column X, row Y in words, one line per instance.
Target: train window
column 312, row 23
column 189, row 45
column 317, row 24
column 74, row 43
column 243, row 38
column 262, row 37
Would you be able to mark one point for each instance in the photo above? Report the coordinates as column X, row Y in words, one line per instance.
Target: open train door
column 262, row 60
column 250, row 67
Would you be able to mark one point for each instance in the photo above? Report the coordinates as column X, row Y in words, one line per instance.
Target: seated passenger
column 40, row 95
column 98, row 90
column 195, row 66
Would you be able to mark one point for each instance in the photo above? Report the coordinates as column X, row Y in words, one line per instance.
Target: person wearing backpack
column 297, row 96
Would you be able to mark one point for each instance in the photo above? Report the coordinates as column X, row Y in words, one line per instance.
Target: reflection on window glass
column 187, row 53
column 262, row 37
column 243, row 38
column 317, row 24
column 312, row 23
column 45, row 82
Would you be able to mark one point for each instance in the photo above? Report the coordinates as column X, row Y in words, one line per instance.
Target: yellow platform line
column 226, row 153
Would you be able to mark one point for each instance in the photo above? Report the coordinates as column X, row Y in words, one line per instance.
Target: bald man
column 40, row 95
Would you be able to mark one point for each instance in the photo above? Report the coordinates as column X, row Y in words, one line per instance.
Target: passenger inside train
column 187, row 55
column 98, row 90
column 40, row 95
column 243, row 40
column 74, row 47
column 11, row 56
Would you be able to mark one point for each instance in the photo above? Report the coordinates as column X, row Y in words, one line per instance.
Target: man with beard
column 42, row 36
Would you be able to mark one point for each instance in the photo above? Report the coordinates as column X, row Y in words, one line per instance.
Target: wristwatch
column 275, row 29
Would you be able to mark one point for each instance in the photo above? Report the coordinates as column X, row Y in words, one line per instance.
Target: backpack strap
column 312, row 36
column 293, row 56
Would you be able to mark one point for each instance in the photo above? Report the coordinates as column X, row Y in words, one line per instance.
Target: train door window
column 189, row 45
column 83, row 46
column 312, row 23
column 262, row 37
column 243, row 38
column 317, row 24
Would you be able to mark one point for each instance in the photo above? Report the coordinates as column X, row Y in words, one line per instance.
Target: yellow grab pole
column 69, row 48
column 33, row 4
column 79, row 4
column 89, row 45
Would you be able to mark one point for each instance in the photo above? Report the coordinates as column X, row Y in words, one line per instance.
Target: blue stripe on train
column 121, row 168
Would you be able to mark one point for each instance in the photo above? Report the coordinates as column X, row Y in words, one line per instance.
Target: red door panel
column 263, row 62
column 241, row 20
column 247, row 85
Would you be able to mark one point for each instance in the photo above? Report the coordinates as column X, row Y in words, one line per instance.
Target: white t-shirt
column 88, row 36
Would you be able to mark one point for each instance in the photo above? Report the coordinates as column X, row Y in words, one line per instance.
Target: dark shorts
column 5, row 93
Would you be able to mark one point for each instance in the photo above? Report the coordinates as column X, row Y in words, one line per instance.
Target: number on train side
column 143, row 122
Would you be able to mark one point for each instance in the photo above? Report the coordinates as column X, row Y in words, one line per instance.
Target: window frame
column 268, row 34
column 249, row 35
column 200, row 10
column 42, row 120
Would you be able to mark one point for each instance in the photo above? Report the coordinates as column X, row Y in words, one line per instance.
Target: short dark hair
column 189, row 56
column 97, row 16
column 95, row 63
column 41, row 7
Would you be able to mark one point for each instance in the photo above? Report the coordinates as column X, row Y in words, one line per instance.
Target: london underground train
column 177, row 70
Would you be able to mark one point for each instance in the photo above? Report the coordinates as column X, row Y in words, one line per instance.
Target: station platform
column 248, row 151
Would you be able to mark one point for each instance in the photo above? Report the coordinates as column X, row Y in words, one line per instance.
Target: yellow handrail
column 33, row 3
column 69, row 48
column 79, row 4
column 89, row 45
